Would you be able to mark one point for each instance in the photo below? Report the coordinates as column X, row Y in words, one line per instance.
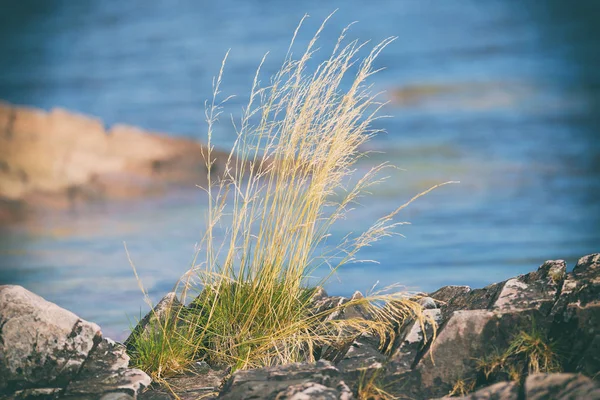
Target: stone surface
column 497, row 391
column 561, row 387
column 412, row 343
column 199, row 382
column 40, row 343
column 60, row 159
column 106, row 370
column 49, row 352
column 540, row 387
column 294, row 381
column 166, row 307
column 472, row 324
column 576, row 317
column 536, row 290
column 362, row 359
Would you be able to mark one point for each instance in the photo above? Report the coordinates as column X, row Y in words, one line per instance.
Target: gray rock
column 106, row 370
column 497, row 391
column 412, row 343
column 576, row 317
column 286, row 382
column 561, row 387
column 48, row 352
column 362, row 359
column 536, row 290
column 467, row 336
column 116, row 396
column 427, row 303
column 40, row 343
column 315, row 391
column 166, row 307
column 199, row 382
column 31, row 394
column 540, row 387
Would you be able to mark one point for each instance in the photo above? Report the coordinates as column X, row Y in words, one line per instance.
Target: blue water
column 514, row 115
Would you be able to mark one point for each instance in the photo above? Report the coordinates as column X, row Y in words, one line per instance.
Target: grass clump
column 372, row 387
column 535, row 351
column 527, row 353
column 461, row 387
column 289, row 178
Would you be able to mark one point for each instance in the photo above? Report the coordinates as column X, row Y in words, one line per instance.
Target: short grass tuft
column 372, row 387
column 527, row 353
column 462, row 388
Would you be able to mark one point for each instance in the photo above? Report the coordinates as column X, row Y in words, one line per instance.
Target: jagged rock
column 460, row 298
column 287, row 382
column 427, row 303
column 536, row 290
column 497, row 391
column 561, row 387
column 49, row 352
column 106, row 370
column 362, row 358
column 116, row 396
column 467, row 336
column 200, row 381
column 31, row 394
column 577, row 317
column 539, row 387
column 166, row 307
column 40, row 343
column 315, row 391
column 412, row 343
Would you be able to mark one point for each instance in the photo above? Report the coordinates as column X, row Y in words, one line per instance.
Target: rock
column 540, row 387
column 30, row 394
column 166, row 307
column 561, row 387
column 116, row 396
column 106, row 370
column 412, row 343
column 315, row 391
column 453, row 354
column 320, row 380
column 455, row 298
column 472, row 325
column 49, row 352
column 576, row 317
column 199, row 382
column 497, row 391
column 362, row 358
column 60, row 158
column 40, row 343
column 469, row 336
column 427, row 303
column 536, row 290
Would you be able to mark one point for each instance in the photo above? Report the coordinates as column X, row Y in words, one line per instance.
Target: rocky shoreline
column 48, row 352
column 60, row 159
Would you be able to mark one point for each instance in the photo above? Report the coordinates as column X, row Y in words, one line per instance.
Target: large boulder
column 41, row 343
column 474, row 324
column 47, row 351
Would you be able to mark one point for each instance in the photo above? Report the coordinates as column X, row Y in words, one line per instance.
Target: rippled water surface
column 502, row 96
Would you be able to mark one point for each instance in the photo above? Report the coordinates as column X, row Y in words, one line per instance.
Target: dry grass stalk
column 287, row 181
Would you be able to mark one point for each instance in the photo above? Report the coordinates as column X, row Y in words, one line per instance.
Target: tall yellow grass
column 288, row 179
